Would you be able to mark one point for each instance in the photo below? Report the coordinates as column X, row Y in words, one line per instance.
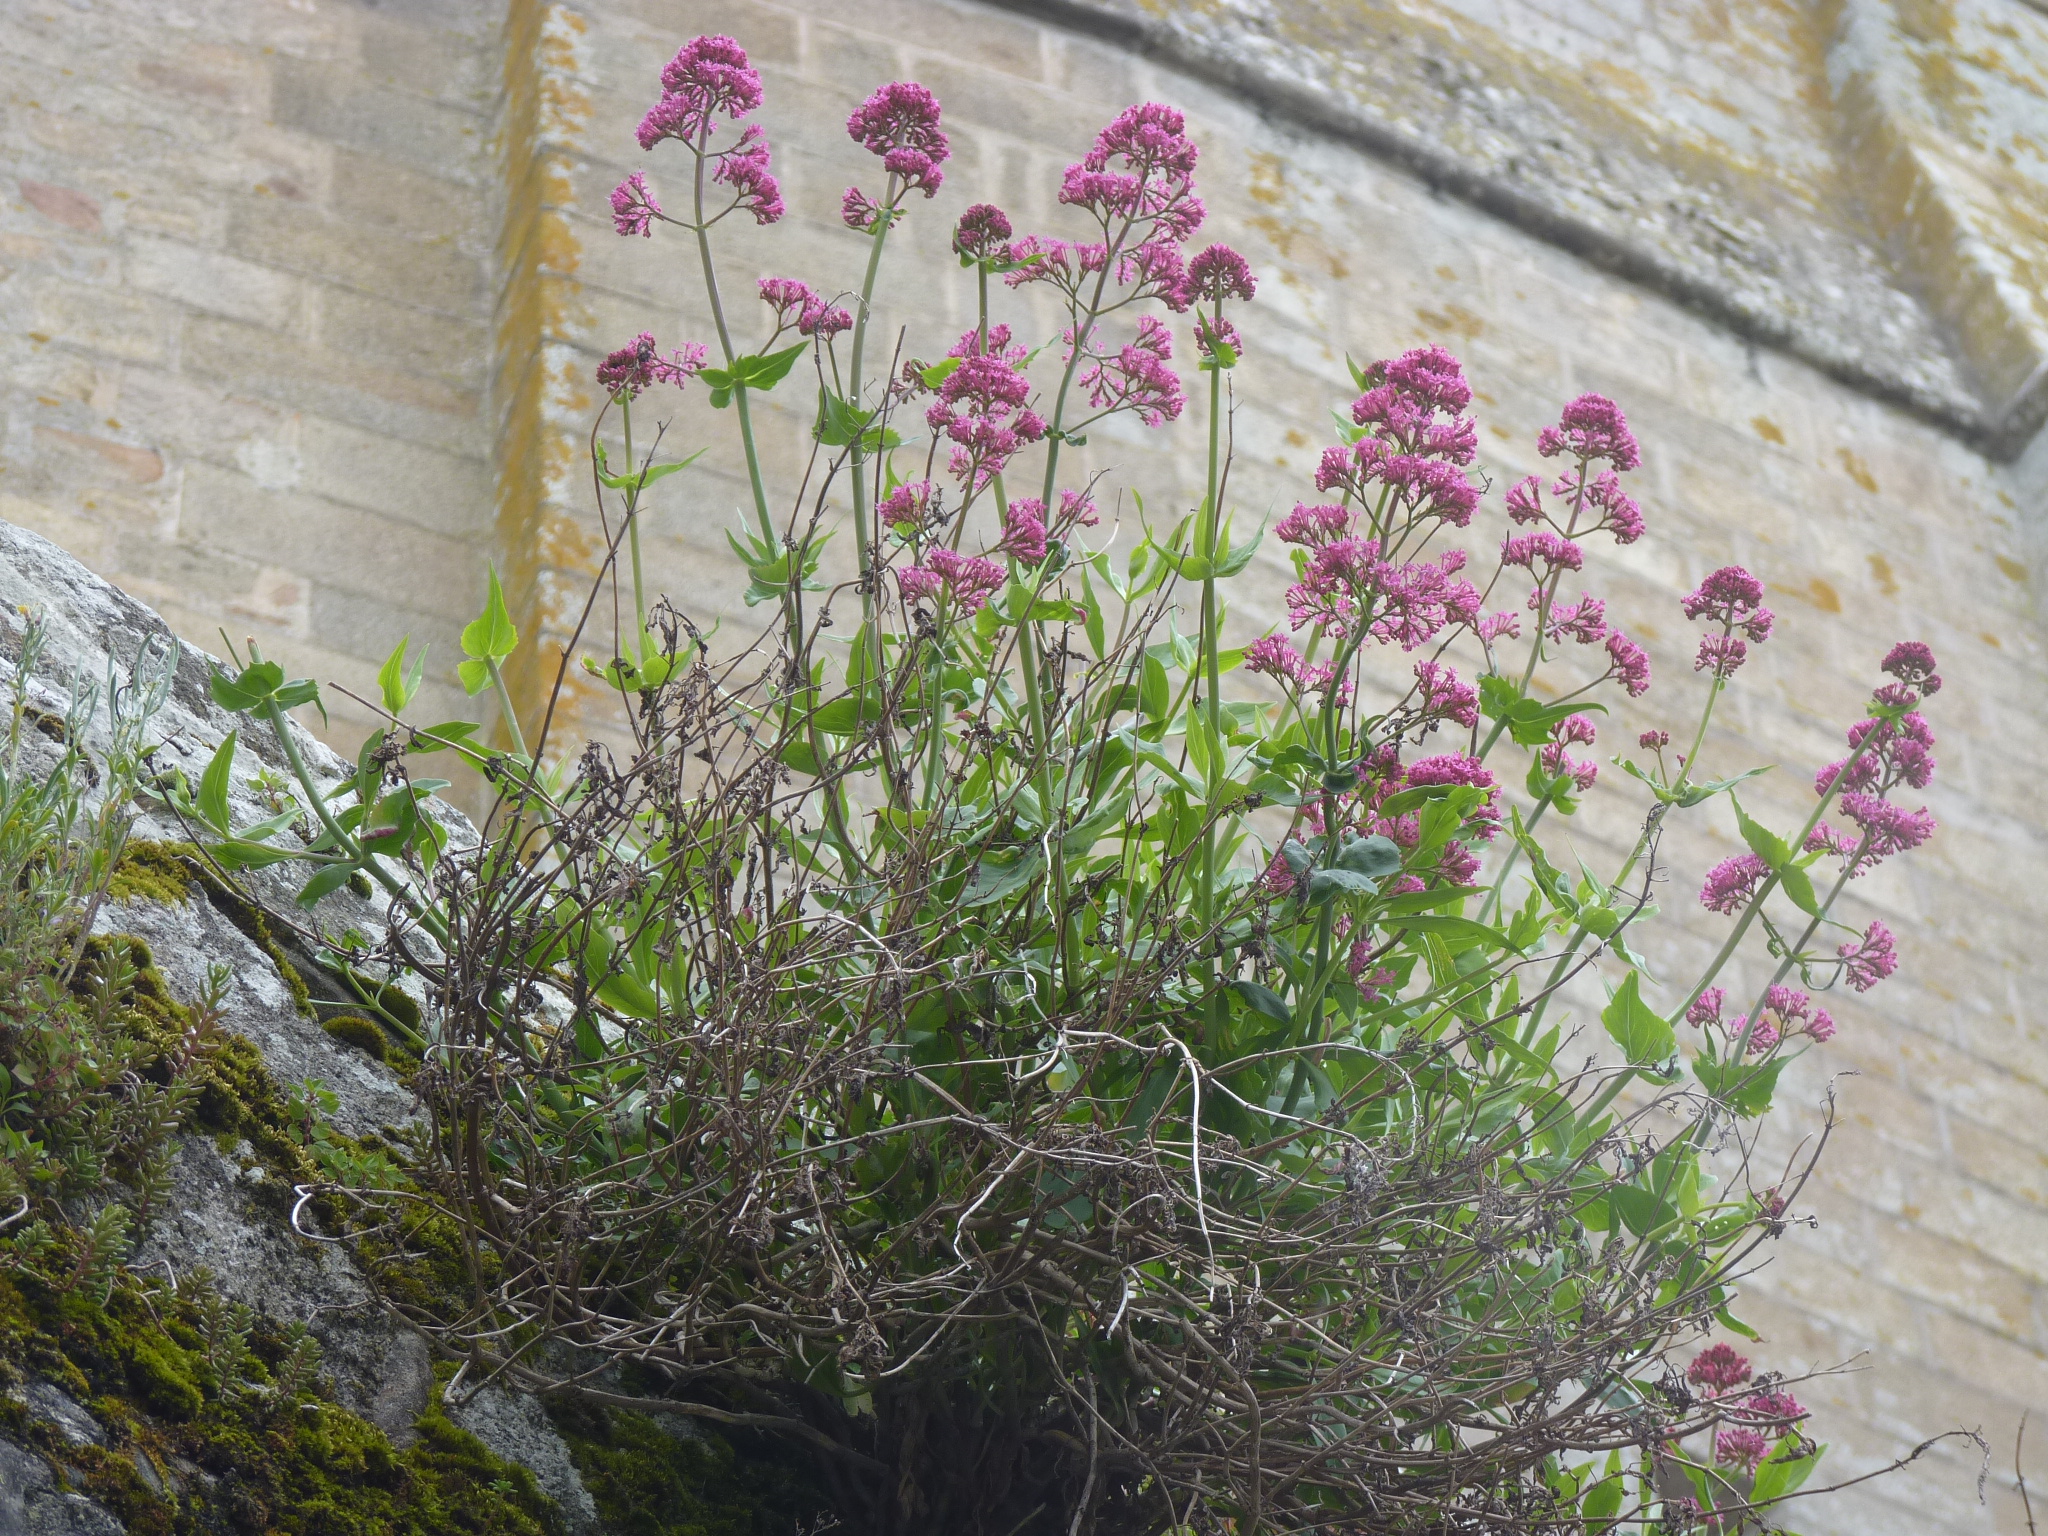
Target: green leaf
column 1735, row 1324
column 995, row 878
column 1645, row 1037
column 392, row 679
column 491, row 636
column 475, row 676
column 1462, row 931
column 589, row 1043
column 1328, row 884
column 1264, row 1000
column 1603, row 1499
column 763, row 373
column 941, row 371
column 324, row 883
column 1745, row 1087
column 1240, row 555
column 1763, row 842
column 1798, row 885
column 1375, row 856
column 213, row 786
column 450, row 733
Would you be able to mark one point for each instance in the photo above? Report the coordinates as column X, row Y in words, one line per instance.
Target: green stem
column 725, row 347
column 427, row 919
column 632, row 538
column 505, row 705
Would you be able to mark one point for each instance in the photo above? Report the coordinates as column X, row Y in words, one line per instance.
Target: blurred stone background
column 299, row 301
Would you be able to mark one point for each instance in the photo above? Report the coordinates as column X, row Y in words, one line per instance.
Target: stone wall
column 1798, row 243
column 245, row 264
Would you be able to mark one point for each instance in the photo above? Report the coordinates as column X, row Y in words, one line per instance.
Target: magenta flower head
column 900, row 123
column 1732, row 882
column 1416, row 444
column 1446, row 696
column 1141, row 168
column 823, row 320
column 1654, row 741
column 1912, row 663
column 1717, row 1369
column 1870, row 959
column 918, row 584
column 1628, row 664
column 907, row 507
column 969, row 578
column 1542, row 548
column 1137, row 379
column 708, row 76
column 983, row 234
column 1706, row 1008
column 634, row 209
column 1732, row 598
column 1273, row 656
column 744, row 168
column 1024, row 530
column 1592, row 427
column 981, row 409
column 1740, row 1447
column 1216, row 274
column 635, row 366
column 787, row 297
column 1314, row 526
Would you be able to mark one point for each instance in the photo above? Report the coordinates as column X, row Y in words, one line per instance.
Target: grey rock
column 188, row 937
column 70, row 1419
column 214, row 1220
column 517, row 1428
column 33, row 1504
column 216, row 1216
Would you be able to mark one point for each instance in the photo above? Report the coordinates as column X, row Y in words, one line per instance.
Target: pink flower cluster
column 1573, row 730
column 1869, row 959
column 1140, row 170
column 1417, row 444
column 899, row 123
column 708, row 77
column 1024, row 530
column 795, row 305
column 1592, row 429
column 981, row 409
column 1137, row 378
column 983, row 233
column 1732, row 598
column 1446, row 697
column 1732, row 882
column 638, row 364
column 1885, row 755
column 1787, row 1011
column 1408, row 602
column 634, row 209
column 907, row 508
column 967, row 579
column 1274, row 656
column 1721, row 1375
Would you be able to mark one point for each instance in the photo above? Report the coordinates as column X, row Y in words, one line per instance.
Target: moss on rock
column 364, row 1034
column 649, row 1480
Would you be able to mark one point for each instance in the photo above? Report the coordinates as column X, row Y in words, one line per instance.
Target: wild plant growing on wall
column 1063, row 1086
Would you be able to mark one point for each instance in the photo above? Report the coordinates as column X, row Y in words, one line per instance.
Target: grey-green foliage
column 78, row 1117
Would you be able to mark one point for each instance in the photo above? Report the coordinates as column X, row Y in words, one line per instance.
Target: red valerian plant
column 1060, row 1093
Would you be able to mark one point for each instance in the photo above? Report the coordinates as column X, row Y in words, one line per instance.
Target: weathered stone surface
column 514, row 1425
column 33, row 1504
column 223, row 1213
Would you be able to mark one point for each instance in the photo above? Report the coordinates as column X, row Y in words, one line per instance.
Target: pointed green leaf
column 1644, row 1036
column 213, row 786
column 491, row 635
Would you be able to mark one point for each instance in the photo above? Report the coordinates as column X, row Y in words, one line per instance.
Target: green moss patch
column 648, row 1481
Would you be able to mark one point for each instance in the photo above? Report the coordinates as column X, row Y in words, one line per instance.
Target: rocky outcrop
column 219, row 1216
